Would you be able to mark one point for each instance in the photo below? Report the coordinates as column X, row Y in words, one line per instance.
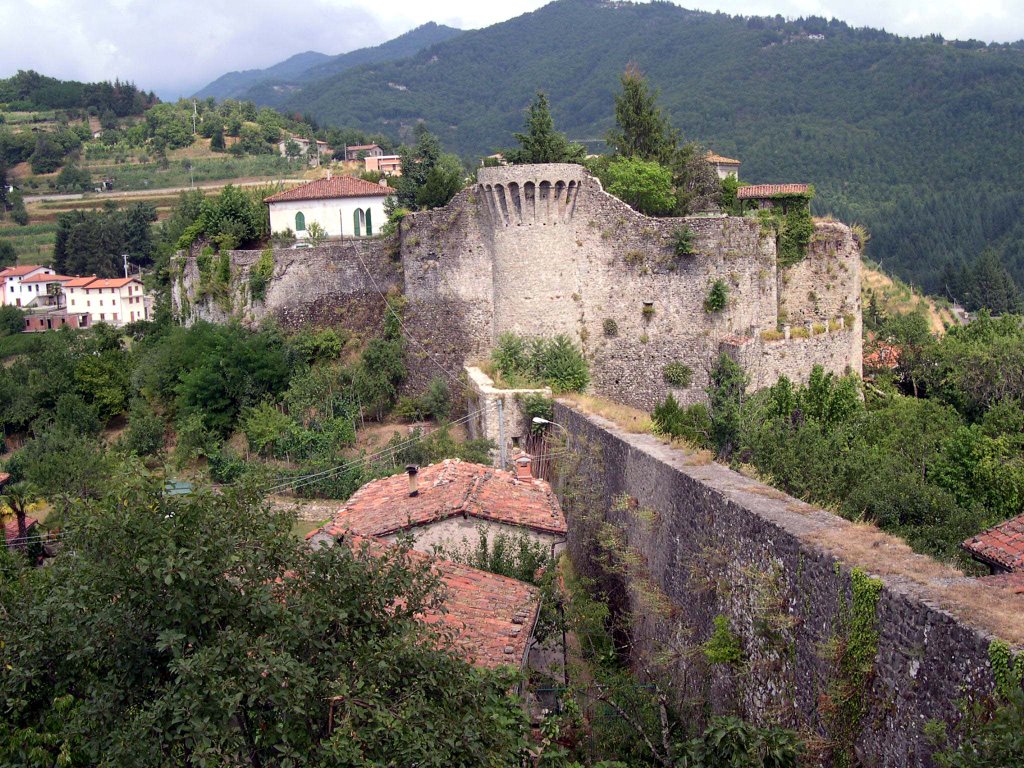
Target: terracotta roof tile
column 11, row 528
column 452, row 487
column 1001, row 546
column 46, row 279
column 23, row 269
column 118, row 282
column 883, row 356
column 79, row 282
column 328, row 189
column 492, row 617
column 770, row 190
column 720, row 160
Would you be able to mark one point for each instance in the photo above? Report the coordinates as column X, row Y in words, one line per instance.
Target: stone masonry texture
column 542, row 249
column 717, row 543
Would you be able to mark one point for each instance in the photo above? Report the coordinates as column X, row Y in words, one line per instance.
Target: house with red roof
column 450, row 502
column 782, row 196
column 16, row 286
column 1000, row 548
column 115, row 301
column 492, row 616
column 343, row 205
column 724, row 166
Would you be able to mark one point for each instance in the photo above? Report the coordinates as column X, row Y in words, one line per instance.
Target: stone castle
column 540, row 250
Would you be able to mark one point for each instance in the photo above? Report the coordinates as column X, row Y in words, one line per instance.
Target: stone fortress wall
column 542, row 249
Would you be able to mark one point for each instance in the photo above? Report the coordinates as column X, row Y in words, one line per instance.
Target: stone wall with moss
column 740, row 599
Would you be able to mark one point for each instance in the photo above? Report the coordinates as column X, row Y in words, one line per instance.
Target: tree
column 644, row 185
column 197, row 630
column 292, row 149
column 73, row 179
column 18, row 497
column 48, row 155
column 217, row 139
column 315, row 233
column 12, row 319
column 429, row 177
column 542, row 143
column 18, row 212
column 641, row 130
column 8, row 256
column 726, row 392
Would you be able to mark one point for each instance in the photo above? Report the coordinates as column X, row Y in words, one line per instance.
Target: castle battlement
column 540, row 250
column 518, row 195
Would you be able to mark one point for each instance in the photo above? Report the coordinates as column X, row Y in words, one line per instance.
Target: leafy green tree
column 292, row 149
column 644, row 185
column 18, row 212
column 430, row 178
column 145, row 434
column 48, row 155
column 62, row 463
column 217, row 139
column 12, row 319
column 541, row 143
column 18, row 497
column 641, row 130
column 73, row 179
column 198, row 630
column 726, row 393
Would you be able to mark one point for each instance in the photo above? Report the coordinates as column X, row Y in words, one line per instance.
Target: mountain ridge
column 272, row 85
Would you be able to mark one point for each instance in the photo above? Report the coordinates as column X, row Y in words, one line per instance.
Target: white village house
column 116, row 301
column 344, row 206
column 17, row 288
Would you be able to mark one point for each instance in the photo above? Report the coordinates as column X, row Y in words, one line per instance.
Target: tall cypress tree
column 641, row 129
column 541, row 143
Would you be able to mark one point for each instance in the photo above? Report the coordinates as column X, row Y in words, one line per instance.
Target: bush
column 610, row 327
column 692, row 424
column 514, row 555
column 537, row 406
column 145, row 435
column 260, row 274
column 682, row 242
column 644, row 185
column 717, row 298
column 556, row 362
column 677, row 374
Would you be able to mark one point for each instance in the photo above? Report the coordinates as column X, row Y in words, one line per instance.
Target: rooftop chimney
column 383, row 181
column 328, row 174
column 523, row 467
column 412, row 470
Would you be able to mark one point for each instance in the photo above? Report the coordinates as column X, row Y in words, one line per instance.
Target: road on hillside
column 150, row 192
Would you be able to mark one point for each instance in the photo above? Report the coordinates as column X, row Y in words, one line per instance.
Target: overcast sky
column 176, row 46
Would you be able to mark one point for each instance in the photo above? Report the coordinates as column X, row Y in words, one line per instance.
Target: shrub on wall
column 717, row 298
column 556, row 362
column 611, row 328
column 677, row 374
column 682, row 242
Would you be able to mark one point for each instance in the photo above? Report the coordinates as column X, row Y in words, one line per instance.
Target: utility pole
column 194, row 115
column 124, row 256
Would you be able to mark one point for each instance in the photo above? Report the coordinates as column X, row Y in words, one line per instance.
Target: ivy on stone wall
column 853, row 650
column 260, row 274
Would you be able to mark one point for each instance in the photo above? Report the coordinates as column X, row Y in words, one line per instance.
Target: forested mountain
column 28, row 90
column 918, row 139
column 273, row 86
column 233, row 85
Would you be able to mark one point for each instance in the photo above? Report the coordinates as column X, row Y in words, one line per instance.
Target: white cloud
column 176, row 46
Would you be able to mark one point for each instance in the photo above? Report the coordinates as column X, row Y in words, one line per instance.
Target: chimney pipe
column 523, row 467
column 412, row 470
column 328, row 174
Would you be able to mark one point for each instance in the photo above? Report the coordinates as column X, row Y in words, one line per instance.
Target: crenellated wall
column 542, row 249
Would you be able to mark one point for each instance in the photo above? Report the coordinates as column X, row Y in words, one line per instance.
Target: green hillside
column 920, row 140
column 273, row 86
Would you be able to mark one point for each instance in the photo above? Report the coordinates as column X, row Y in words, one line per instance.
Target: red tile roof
column 117, row 282
column 720, row 160
column 1001, row 546
column 23, row 269
column 361, row 147
column 453, row 487
column 79, row 282
column 11, row 528
column 329, row 189
column 492, row 617
column 883, row 356
column 1011, row 581
column 757, row 191
column 46, row 279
